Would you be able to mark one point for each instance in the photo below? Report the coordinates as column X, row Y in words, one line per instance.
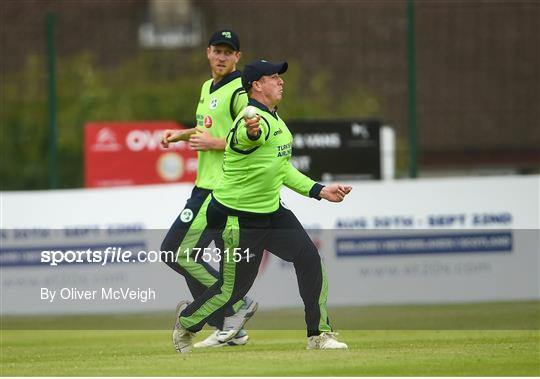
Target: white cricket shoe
column 181, row 337
column 212, row 341
column 233, row 324
column 325, row 341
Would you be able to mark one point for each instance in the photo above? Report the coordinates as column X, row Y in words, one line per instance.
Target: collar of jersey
column 263, row 107
column 229, row 78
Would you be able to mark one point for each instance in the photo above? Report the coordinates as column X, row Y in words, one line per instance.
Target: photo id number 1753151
column 215, row 254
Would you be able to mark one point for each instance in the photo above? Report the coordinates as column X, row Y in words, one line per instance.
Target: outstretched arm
column 203, row 141
column 176, row 135
column 303, row 185
column 300, row 183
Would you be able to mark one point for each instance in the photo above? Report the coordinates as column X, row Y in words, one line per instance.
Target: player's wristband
column 315, row 191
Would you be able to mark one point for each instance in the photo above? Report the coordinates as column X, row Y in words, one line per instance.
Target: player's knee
column 310, row 253
column 307, row 260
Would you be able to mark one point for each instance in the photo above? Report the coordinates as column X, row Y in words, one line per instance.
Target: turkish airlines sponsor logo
column 106, row 141
column 317, row 140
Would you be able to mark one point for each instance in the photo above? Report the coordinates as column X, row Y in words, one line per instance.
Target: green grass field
column 510, row 348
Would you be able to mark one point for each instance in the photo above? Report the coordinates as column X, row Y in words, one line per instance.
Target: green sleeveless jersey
column 255, row 169
column 216, row 112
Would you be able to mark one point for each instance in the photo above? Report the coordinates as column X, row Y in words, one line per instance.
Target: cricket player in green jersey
column 247, row 217
column 222, row 99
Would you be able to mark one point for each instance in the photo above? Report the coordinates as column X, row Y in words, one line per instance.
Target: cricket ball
column 250, row 112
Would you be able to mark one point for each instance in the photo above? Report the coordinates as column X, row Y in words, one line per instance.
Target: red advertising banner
column 129, row 153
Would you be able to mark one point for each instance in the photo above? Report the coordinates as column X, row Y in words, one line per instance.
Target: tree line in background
column 140, row 89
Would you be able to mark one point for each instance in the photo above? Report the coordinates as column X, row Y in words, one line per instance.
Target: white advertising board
column 422, row 241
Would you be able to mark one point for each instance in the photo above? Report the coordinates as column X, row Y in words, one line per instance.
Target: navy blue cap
column 257, row 69
column 227, row 37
